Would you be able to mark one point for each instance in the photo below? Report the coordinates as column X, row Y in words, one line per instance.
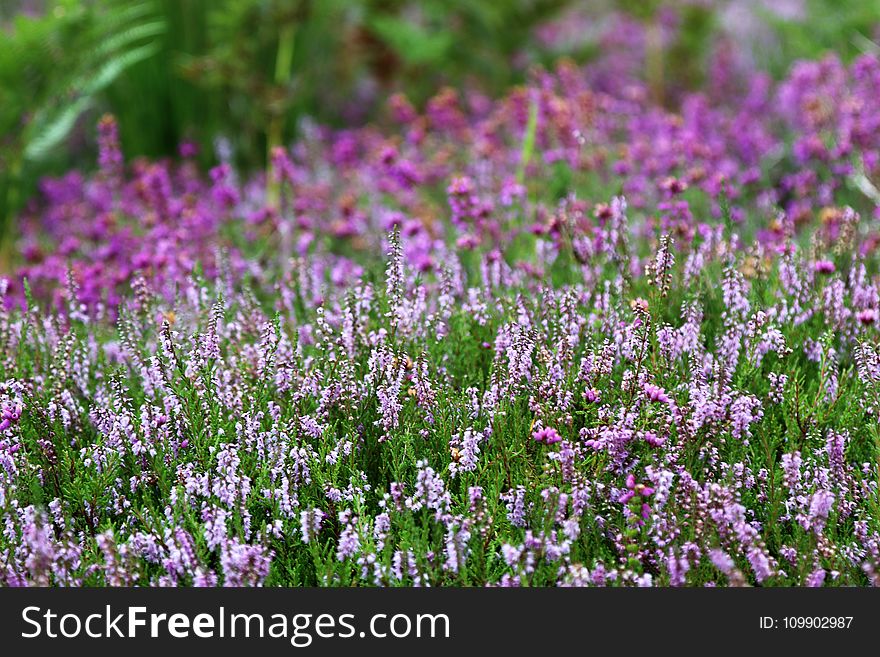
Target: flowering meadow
column 571, row 336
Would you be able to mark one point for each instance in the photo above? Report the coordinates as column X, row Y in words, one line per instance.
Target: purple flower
column 109, row 154
column 816, row 578
column 9, row 415
column 867, row 316
column 821, row 504
column 547, row 436
column 655, row 393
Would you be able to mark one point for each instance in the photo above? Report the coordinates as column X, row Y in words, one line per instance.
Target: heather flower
column 821, row 504
column 761, row 564
column 546, row 435
column 9, row 415
column 244, row 565
column 349, row 540
column 721, row 561
column 110, row 158
column 744, row 411
column 655, row 393
column 466, row 457
column 868, row 316
column 659, row 270
column 42, row 551
column 816, row 578
column 653, row 439
column 705, row 343
column 514, row 501
column 777, row 387
column 463, row 201
column 188, row 149
column 310, row 524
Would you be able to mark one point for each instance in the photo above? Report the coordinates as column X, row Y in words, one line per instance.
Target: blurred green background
column 248, row 71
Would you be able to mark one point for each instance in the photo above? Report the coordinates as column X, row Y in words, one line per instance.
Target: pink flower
column 547, row 435
column 653, row 439
column 656, row 393
column 867, row 316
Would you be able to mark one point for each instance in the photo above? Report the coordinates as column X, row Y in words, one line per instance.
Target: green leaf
column 55, row 130
column 132, row 35
column 53, row 126
column 112, row 69
column 411, row 42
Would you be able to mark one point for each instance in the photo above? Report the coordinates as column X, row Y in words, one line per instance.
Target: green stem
column 284, row 57
column 11, row 192
column 275, row 131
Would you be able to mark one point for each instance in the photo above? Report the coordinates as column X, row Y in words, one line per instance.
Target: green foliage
column 413, row 43
column 52, row 69
column 688, row 53
column 243, row 70
column 509, row 458
column 249, row 70
column 846, row 27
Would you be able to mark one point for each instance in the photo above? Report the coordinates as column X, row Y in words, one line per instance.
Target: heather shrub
column 567, row 337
